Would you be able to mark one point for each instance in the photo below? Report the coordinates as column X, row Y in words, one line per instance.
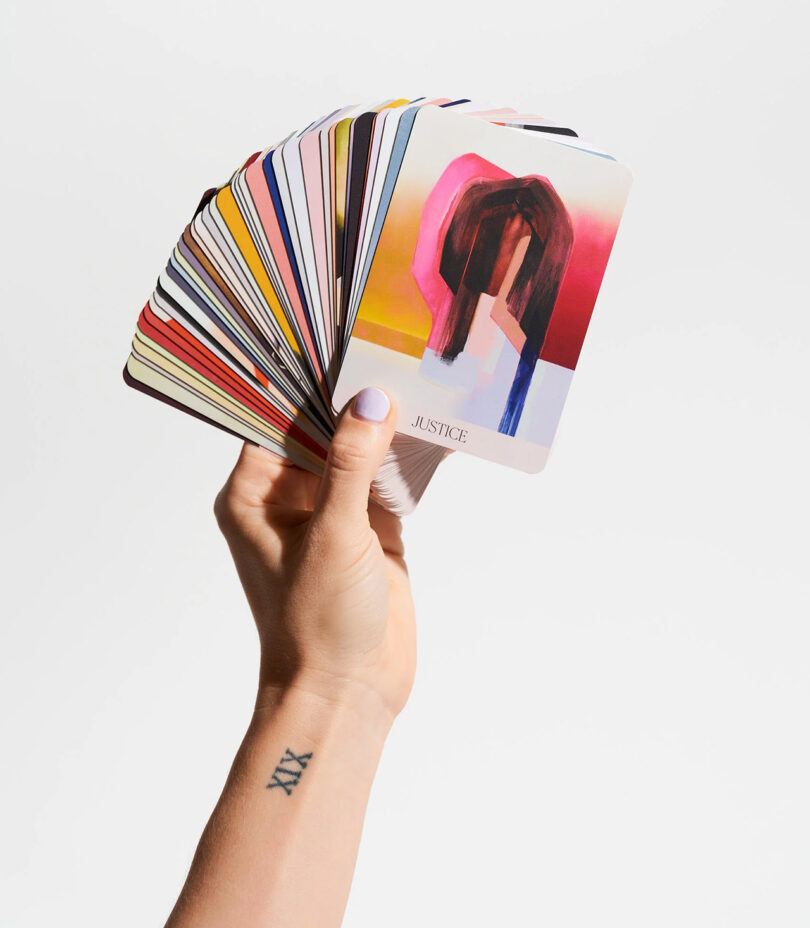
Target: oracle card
column 488, row 265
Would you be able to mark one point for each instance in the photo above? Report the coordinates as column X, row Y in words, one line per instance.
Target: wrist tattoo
column 289, row 770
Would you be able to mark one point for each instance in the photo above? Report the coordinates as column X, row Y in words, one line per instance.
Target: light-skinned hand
column 322, row 566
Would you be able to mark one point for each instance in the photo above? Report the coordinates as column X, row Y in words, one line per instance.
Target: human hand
column 322, row 566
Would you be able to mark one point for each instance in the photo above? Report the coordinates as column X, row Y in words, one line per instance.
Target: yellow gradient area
column 392, row 298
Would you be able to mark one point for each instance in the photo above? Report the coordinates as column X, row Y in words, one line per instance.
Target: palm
column 265, row 511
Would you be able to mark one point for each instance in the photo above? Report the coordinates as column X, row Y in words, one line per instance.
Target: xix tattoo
column 289, row 771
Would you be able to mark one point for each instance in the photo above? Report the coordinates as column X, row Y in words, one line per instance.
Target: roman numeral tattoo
column 289, row 770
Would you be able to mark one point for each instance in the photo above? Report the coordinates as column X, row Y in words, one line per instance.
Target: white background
column 610, row 720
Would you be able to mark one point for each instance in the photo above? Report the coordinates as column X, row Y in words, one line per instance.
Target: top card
column 483, row 283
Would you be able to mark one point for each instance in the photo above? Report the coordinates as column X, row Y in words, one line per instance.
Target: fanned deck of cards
column 448, row 253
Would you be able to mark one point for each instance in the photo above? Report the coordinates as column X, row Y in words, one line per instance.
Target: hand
column 322, row 566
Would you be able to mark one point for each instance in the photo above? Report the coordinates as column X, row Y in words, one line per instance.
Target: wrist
column 329, row 697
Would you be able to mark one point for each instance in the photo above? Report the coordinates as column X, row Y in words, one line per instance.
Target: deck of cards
column 446, row 252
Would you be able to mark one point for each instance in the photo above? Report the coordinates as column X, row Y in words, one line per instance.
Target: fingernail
column 371, row 404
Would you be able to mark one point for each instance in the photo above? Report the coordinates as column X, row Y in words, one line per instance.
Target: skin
column 323, row 571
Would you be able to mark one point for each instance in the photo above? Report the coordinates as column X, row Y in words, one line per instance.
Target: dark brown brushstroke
column 491, row 217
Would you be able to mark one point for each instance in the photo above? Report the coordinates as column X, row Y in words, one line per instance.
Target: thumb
column 358, row 447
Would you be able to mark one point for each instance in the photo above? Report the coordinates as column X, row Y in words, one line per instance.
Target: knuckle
column 346, row 457
column 225, row 509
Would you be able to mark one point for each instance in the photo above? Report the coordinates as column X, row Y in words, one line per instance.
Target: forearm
column 281, row 844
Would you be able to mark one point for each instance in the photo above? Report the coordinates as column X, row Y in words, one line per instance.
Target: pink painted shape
column 437, row 213
column 480, row 340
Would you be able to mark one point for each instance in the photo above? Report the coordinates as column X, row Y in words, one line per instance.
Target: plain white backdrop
column 610, row 719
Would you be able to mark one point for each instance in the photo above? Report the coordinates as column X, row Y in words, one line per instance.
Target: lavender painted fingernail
column 371, row 404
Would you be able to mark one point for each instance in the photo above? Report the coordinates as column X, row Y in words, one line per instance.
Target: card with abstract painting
column 483, row 282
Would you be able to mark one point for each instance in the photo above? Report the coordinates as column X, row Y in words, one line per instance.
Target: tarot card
column 482, row 285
